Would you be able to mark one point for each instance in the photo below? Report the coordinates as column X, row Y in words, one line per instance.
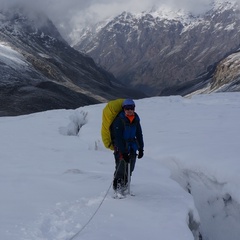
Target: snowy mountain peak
column 141, row 49
column 221, row 5
column 22, row 22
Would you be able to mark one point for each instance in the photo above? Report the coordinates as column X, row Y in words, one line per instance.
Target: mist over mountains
column 165, row 52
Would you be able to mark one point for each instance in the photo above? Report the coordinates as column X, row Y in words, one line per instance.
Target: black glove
column 140, row 153
column 126, row 157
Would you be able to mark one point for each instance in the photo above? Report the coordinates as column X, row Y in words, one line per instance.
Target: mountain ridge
column 154, row 54
column 41, row 71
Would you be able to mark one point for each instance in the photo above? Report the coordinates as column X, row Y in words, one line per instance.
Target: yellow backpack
column 109, row 113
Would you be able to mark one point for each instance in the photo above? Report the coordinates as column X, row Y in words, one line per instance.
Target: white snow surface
column 55, row 181
column 10, row 57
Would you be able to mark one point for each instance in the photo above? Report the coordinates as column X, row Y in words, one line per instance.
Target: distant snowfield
column 56, row 182
column 11, row 57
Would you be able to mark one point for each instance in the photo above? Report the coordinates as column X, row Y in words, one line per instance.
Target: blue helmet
column 128, row 102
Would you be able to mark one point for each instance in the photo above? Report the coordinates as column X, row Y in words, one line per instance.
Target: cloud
column 70, row 16
column 79, row 15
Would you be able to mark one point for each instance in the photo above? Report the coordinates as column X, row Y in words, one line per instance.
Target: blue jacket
column 126, row 135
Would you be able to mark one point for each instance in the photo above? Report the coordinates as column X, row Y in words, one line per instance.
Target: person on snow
column 127, row 139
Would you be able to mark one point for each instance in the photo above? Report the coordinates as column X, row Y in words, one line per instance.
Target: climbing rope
column 90, row 219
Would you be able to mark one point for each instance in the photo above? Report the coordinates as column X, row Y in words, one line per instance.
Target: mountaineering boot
column 119, row 188
column 119, row 184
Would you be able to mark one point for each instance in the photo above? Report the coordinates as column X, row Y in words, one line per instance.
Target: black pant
column 121, row 167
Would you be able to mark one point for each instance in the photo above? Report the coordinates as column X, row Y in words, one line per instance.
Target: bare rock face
column 156, row 54
column 40, row 71
column 227, row 74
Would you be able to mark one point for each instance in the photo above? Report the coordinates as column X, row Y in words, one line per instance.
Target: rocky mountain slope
column 164, row 53
column 227, row 74
column 40, row 71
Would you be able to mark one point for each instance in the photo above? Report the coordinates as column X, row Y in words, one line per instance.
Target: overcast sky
column 71, row 15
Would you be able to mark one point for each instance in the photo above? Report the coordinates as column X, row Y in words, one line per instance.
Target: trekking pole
column 129, row 177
